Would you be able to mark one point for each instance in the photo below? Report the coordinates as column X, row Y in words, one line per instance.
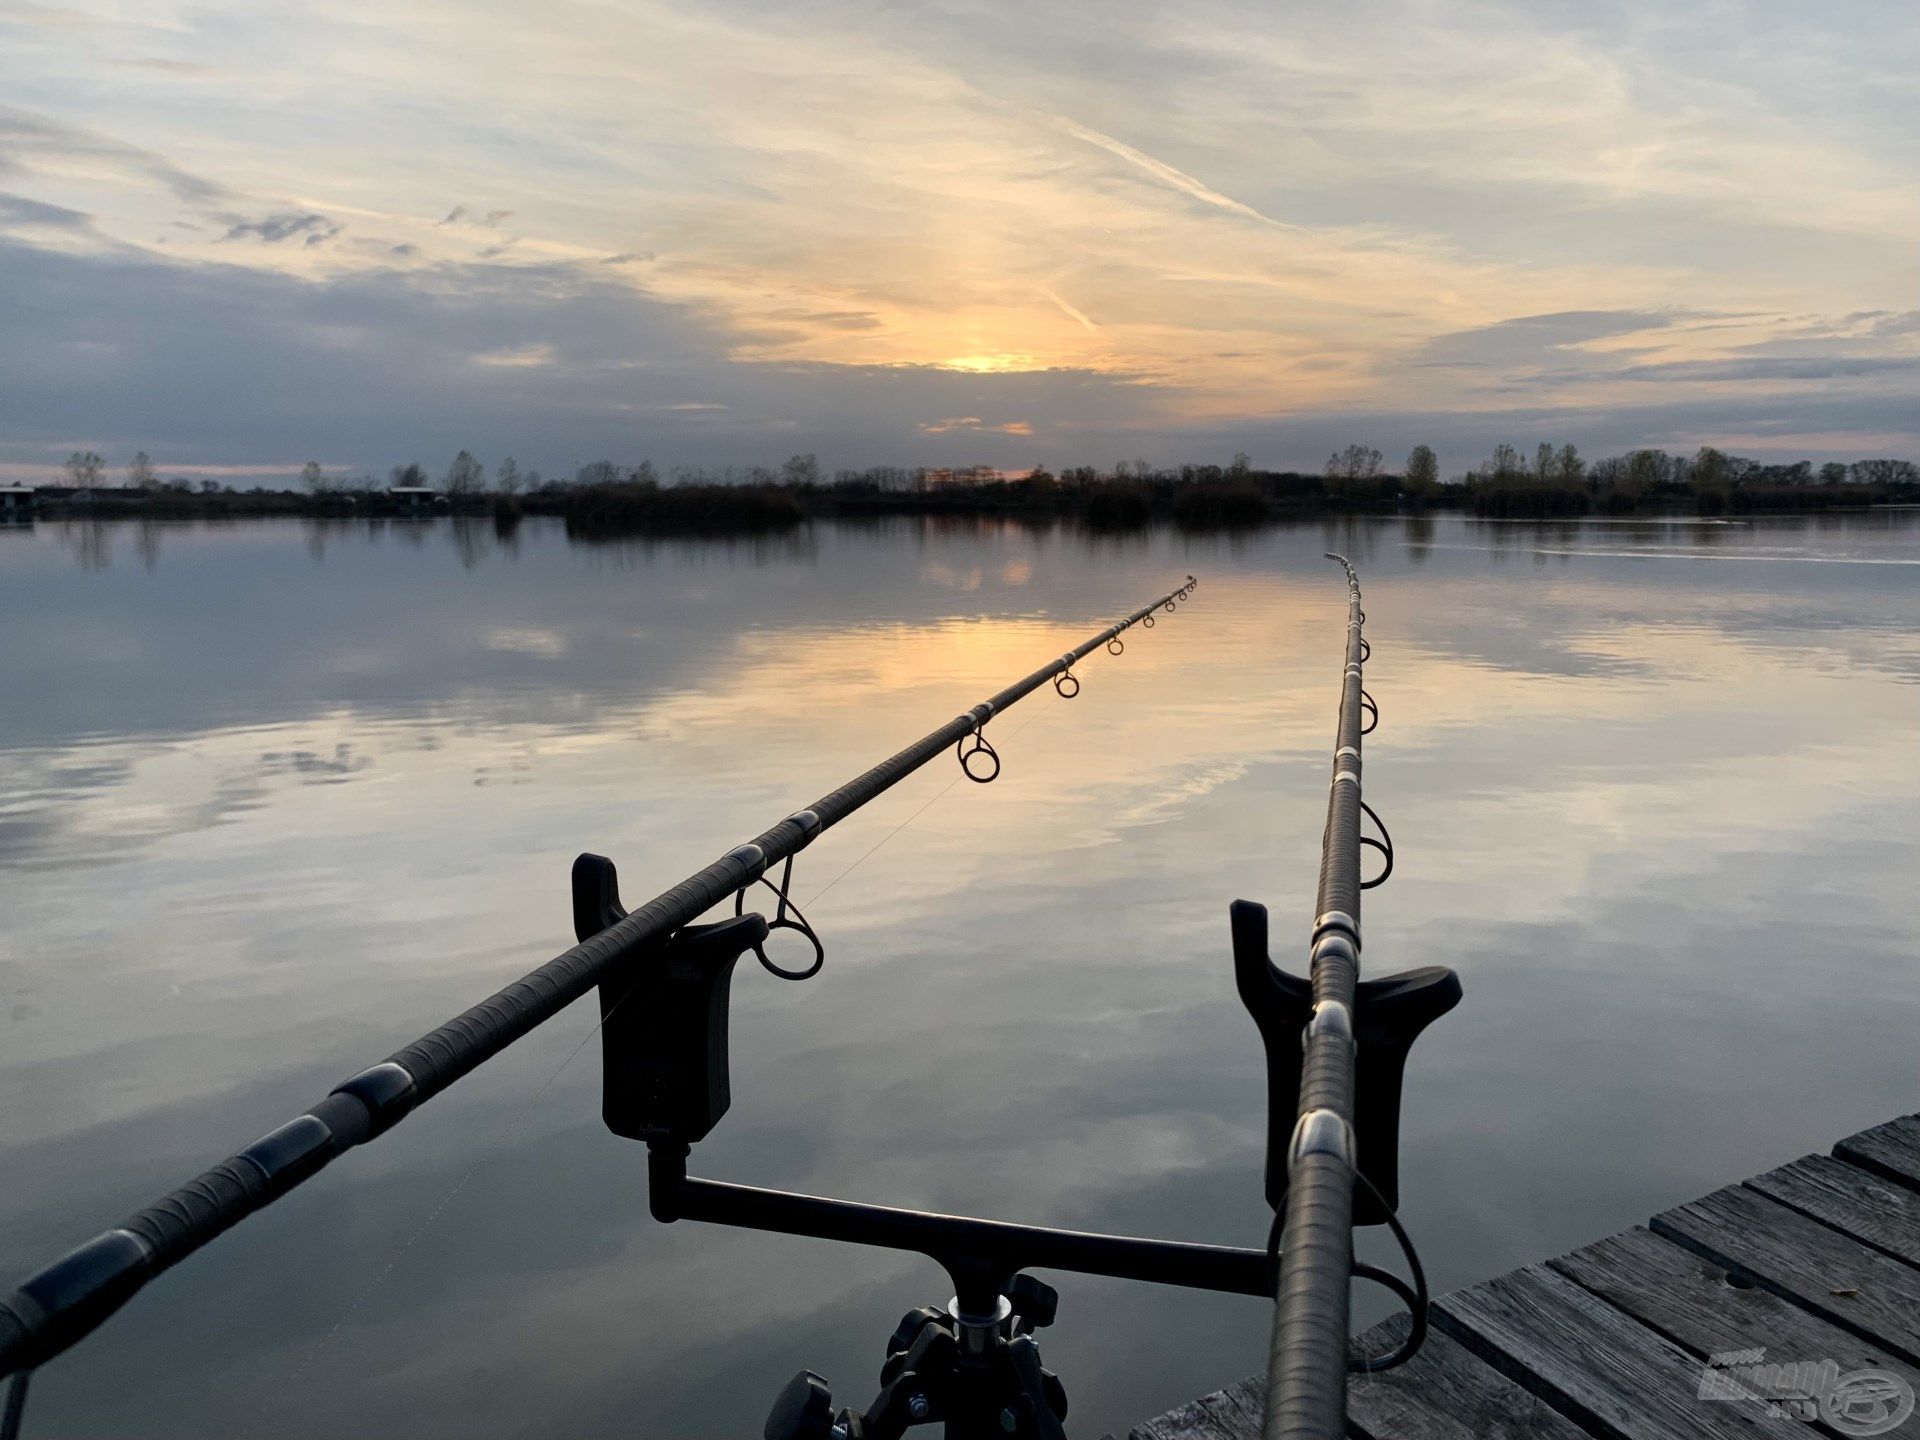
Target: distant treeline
column 1709, row 482
column 605, row 498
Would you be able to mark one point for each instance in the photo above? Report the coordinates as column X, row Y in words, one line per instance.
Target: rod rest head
column 1388, row 1015
column 663, row 1017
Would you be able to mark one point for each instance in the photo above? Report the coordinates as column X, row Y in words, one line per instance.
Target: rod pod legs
column 980, row 1377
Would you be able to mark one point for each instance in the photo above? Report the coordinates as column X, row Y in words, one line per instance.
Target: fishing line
column 1045, row 705
column 499, row 1139
column 507, row 1130
column 1413, row 1295
column 64, row 1301
column 16, row 1406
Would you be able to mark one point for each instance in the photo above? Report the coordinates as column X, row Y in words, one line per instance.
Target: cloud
column 18, row 212
column 516, row 357
column 373, row 368
column 1538, row 339
column 1775, row 368
column 379, row 367
column 1161, row 172
column 309, row 229
column 843, row 223
column 462, row 214
column 38, row 143
column 1072, row 314
column 974, row 425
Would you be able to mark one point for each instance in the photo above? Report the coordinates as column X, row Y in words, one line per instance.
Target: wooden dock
column 1818, row 1260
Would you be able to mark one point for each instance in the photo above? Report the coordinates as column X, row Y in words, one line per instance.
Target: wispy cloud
column 1164, row 173
column 1072, row 314
column 516, row 357
column 37, row 145
column 19, row 213
column 308, row 229
column 974, row 425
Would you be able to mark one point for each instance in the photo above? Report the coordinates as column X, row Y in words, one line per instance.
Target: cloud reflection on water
column 273, row 808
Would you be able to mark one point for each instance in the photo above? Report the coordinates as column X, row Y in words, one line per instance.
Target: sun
column 1000, row 363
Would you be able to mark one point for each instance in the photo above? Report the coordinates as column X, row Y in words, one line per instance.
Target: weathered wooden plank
column 1818, row 1269
column 1230, row 1414
column 1611, row 1373
column 1444, row 1393
column 1891, row 1150
column 1687, row 1299
column 1816, row 1260
column 1872, row 1209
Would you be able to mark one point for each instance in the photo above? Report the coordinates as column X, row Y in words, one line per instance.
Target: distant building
column 412, row 499
column 96, row 495
column 16, row 501
column 941, row 479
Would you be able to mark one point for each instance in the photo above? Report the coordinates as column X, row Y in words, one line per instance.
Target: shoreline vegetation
column 604, row 499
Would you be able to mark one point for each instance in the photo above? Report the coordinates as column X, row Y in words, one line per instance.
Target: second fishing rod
column 66, row 1300
column 1337, row 1047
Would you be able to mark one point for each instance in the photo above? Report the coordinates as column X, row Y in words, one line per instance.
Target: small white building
column 16, row 501
column 412, row 499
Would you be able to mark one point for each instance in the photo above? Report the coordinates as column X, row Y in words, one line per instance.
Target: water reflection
column 279, row 797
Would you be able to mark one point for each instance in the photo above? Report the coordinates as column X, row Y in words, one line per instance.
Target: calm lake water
column 276, row 798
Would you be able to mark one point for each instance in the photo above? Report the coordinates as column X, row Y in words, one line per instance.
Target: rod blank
column 1307, row 1374
column 59, row 1305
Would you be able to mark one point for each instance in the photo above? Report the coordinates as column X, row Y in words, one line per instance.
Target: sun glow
column 1001, row 363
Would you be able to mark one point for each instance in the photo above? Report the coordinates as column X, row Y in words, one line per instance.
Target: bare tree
column 140, row 474
column 1647, row 468
column 313, row 477
column 801, row 470
column 466, row 475
column 83, row 469
column 1356, row 462
column 507, row 478
column 1573, row 468
column 598, row 472
column 1886, row 472
column 1709, row 467
column 1241, row 466
column 411, row 476
column 1423, row 466
column 645, row 474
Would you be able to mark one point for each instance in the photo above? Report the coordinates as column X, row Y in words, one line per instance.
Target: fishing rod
column 65, row 1301
column 1336, row 1054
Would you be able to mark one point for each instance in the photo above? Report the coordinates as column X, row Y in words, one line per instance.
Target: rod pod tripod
column 975, row 1366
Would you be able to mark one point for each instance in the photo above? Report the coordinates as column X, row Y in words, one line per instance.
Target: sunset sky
column 241, row 236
